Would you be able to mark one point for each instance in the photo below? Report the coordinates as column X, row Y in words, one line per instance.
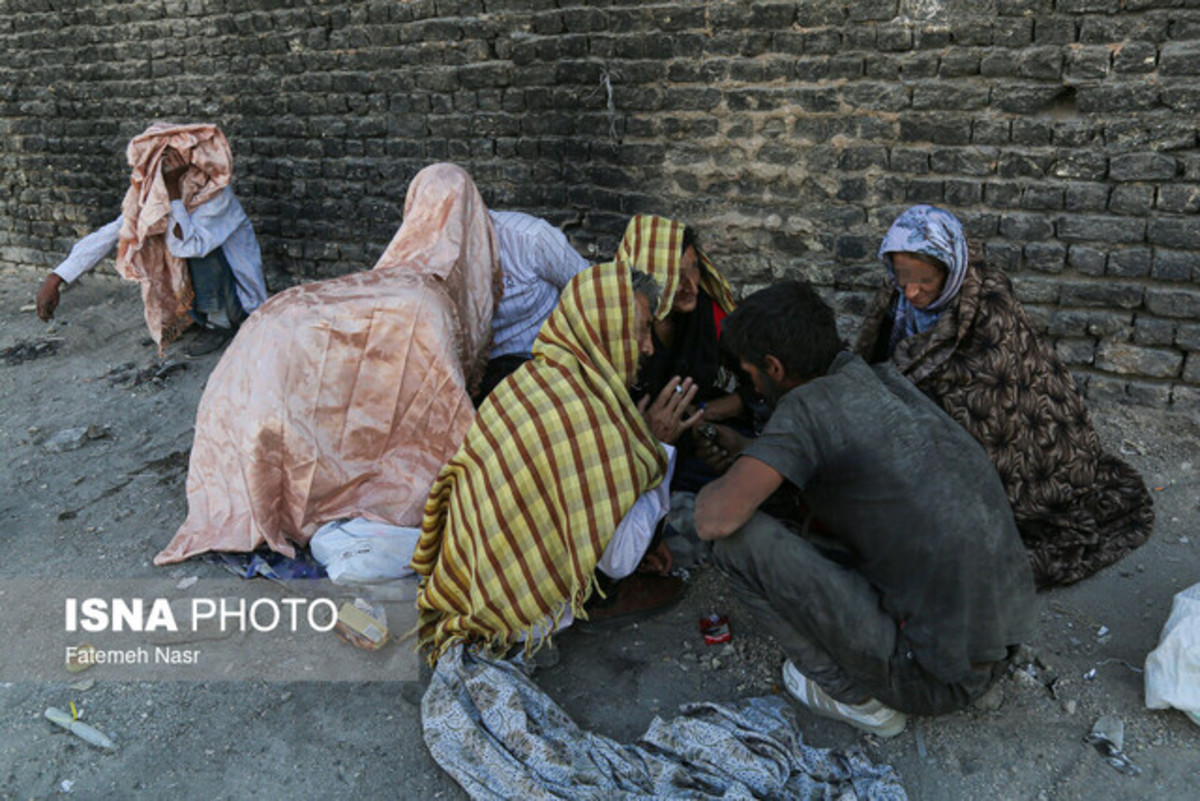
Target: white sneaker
column 870, row 716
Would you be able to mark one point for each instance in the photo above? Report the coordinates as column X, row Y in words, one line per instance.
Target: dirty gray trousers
column 827, row 618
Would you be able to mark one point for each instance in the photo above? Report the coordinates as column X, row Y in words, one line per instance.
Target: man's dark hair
column 787, row 320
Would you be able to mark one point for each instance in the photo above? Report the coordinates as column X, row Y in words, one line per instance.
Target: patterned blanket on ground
column 500, row 736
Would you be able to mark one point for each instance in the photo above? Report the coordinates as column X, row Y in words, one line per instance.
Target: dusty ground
column 102, row 512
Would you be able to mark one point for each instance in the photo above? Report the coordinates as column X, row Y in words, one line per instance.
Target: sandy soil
column 103, row 510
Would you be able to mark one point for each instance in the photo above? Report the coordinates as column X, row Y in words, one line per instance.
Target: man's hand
column 723, row 408
column 657, row 561
column 668, row 415
column 717, row 445
column 47, row 296
column 173, row 168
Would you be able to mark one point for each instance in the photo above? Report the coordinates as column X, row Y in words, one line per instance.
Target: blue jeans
column 215, row 291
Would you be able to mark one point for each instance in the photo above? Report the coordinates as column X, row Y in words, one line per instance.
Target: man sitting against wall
column 907, row 584
column 537, row 262
column 182, row 234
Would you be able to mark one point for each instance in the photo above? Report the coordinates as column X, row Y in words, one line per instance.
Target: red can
column 715, row 629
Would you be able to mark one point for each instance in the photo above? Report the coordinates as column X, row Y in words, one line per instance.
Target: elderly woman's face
column 920, row 278
column 689, row 283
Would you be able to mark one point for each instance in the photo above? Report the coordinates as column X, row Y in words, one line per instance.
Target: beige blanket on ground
column 142, row 253
column 344, row 398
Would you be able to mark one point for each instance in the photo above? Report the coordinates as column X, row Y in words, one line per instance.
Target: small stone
column 992, row 700
column 1025, row 655
column 1026, row 679
column 1070, row 706
column 716, row 663
column 66, row 440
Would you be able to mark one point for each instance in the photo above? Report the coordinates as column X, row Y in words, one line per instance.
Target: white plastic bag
column 362, row 551
column 1173, row 668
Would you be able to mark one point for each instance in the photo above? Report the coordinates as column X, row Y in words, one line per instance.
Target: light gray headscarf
column 931, row 232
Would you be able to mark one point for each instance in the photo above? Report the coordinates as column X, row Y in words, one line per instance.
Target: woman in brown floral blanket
column 958, row 332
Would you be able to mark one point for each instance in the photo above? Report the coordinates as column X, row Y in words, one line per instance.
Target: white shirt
column 636, row 529
column 537, row 261
column 220, row 222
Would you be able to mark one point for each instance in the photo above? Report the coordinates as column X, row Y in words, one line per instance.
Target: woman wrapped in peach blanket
column 344, row 398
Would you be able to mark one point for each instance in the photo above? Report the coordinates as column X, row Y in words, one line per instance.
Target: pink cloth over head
column 344, row 398
column 142, row 253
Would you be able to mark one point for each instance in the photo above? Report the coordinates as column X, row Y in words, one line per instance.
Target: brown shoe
column 634, row 598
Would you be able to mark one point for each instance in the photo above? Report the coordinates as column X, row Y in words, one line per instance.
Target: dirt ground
column 102, row 511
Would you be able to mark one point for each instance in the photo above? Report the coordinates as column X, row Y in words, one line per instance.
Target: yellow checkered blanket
column 653, row 244
column 557, row 455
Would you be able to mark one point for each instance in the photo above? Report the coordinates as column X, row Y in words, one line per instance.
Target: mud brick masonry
column 1064, row 132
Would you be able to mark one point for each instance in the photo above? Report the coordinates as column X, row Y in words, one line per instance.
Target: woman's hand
column 668, row 416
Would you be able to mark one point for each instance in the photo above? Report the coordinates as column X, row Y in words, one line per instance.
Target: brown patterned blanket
column 1078, row 508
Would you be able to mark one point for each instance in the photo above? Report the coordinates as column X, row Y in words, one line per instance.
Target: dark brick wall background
column 1062, row 131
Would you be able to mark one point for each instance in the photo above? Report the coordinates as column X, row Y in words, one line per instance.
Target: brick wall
column 1062, row 131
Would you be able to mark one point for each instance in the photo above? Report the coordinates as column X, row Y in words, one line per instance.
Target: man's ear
column 775, row 369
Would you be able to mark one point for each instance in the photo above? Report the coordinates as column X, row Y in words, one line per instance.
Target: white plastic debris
column 81, row 730
column 1108, row 738
column 363, row 551
column 1173, row 668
